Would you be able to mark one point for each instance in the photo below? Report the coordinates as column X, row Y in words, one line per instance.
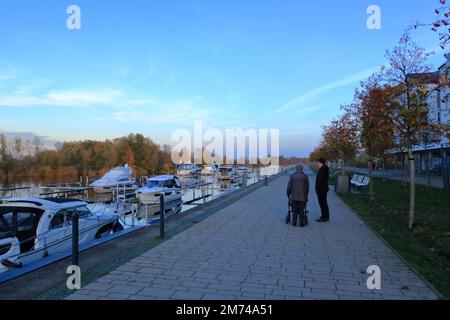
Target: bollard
column 161, row 215
column 266, row 182
column 75, row 239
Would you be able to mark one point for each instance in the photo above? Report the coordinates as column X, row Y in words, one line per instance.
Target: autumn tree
column 340, row 139
column 440, row 24
column 406, row 61
column 371, row 110
column 320, row 152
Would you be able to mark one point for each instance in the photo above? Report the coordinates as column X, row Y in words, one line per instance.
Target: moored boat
column 119, row 177
column 34, row 228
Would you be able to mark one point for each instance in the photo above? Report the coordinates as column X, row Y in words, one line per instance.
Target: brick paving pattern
column 246, row 251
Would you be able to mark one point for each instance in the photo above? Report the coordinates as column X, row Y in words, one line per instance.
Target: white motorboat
column 33, row 228
column 269, row 170
column 187, row 169
column 210, row 169
column 244, row 171
column 116, row 178
column 149, row 195
column 227, row 173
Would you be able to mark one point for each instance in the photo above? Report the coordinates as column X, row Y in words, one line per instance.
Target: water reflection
column 196, row 190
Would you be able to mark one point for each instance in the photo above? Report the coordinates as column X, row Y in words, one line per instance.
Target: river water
column 204, row 188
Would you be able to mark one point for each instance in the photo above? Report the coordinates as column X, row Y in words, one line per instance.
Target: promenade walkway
column 246, row 251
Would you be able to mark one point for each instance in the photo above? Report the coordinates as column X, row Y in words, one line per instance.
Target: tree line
column 20, row 158
column 28, row 159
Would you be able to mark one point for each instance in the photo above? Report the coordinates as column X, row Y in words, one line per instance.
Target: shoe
column 302, row 226
column 322, row 220
column 294, row 225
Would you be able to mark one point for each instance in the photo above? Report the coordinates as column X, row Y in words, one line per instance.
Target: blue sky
column 155, row 66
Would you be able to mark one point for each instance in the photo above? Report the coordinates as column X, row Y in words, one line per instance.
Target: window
column 18, row 221
column 83, row 212
column 5, row 248
column 58, row 220
column 6, row 223
column 154, row 184
column 170, row 184
column 25, row 221
column 21, row 223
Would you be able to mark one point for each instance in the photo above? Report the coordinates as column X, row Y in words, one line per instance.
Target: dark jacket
column 298, row 187
column 322, row 179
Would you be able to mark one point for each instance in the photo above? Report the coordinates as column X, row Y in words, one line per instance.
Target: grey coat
column 298, row 187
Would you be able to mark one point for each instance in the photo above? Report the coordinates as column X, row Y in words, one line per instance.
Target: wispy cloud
column 70, row 98
column 154, row 111
column 304, row 100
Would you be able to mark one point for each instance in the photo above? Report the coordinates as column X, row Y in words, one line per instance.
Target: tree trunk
column 412, row 193
column 370, row 169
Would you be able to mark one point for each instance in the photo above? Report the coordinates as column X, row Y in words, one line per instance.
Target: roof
column 51, row 203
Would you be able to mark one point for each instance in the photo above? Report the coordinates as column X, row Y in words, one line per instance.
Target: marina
column 132, row 204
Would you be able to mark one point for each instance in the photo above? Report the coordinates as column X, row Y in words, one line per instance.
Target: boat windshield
column 20, row 222
column 155, row 184
column 118, row 174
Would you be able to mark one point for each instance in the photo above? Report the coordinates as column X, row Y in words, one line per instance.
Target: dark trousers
column 322, row 197
column 298, row 209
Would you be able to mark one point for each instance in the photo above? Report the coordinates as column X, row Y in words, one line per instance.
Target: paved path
column 246, row 251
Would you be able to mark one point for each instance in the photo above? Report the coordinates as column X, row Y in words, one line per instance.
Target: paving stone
column 188, row 295
column 155, row 292
column 125, row 289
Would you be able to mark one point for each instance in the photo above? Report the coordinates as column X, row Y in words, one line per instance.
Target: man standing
column 297, row 191
column 322, row 189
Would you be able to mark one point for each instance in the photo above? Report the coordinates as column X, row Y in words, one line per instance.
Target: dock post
column 75, row 239
column 161, row 215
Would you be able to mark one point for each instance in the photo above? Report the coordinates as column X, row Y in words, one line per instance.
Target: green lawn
column 427, row 247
